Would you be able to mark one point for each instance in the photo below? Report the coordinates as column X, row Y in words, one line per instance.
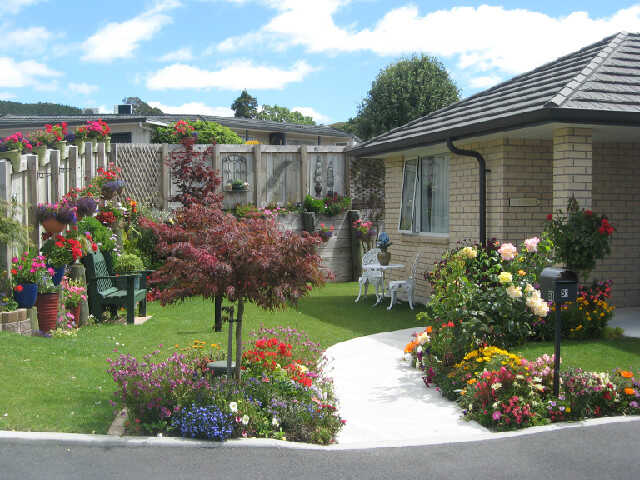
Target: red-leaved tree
column 210, row 253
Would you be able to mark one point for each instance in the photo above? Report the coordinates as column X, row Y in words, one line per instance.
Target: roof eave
column 546, row 115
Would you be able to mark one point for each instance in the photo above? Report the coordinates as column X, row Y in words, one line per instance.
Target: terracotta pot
column 188, row 141
column 52, row 225
column 384, row 258
column 76, row 315
column 47, row 304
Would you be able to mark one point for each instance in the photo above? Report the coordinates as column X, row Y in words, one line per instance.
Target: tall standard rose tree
column 211, row 253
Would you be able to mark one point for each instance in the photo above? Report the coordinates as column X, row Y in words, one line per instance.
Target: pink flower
column 532, row 244
column 51, row 271
column 496, row 416
column 507, row 251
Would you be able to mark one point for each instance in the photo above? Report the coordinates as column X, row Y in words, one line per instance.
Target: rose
column 531, row 244
column 514, row 292
column 507, row 251
column 505, row 277
column 540, row 308
column 468, row 252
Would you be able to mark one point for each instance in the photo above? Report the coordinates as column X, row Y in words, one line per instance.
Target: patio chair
column 407, row 286
column 369, row 276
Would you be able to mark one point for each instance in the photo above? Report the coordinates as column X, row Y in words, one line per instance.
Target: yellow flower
column 471, row 381
column 522, row 273
column 568, row 410
column 505, row 277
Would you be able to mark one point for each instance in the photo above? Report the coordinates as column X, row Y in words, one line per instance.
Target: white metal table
column 381, row 268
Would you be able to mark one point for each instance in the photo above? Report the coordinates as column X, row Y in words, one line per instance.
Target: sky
column 318, row 57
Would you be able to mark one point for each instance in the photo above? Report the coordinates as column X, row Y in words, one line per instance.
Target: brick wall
column 616, row 193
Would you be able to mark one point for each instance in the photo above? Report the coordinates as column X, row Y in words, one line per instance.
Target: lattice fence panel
column 141, row 169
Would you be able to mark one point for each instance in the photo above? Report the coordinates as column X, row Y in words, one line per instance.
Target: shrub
column 206, row 132
column 102, row 235
column 128, row 263
column 329, row 205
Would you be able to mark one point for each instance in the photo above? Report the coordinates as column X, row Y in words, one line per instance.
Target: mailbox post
column 560, row 286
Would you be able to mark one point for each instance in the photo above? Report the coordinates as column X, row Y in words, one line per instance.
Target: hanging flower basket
column 52, row 225
column 112, row 188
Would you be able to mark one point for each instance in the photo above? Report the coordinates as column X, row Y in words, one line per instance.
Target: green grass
column 62, row 385
column 592, row 355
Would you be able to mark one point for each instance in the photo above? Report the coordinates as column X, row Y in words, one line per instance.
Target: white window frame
column 417, row 187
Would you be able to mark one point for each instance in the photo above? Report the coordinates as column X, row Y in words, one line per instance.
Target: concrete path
column 628, row 319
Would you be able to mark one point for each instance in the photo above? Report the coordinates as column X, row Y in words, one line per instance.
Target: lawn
column 62, row 384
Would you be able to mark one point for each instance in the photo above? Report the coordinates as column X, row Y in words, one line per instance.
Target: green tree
column 245, row 106
column 404, row 91
column 40, row 108
column 141, row 107
column 208, row 133
column 276, row 113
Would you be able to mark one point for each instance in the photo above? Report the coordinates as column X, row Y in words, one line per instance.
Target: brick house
column 571, row 126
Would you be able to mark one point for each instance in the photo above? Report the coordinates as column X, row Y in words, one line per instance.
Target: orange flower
column 629, row 391
column 410, row 347
column 626, row 374
column 429, row 329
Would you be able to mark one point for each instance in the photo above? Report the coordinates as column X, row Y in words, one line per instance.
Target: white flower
column 529, row 289
column 469, row 252
column 419, row 349
column 245, row 419
column 496, row 386
column 233, row 406
column 514, row 292
column 275, row 422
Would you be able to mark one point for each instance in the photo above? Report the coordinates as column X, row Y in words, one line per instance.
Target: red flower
column 588, row 212
column 94, row 247
column 550, row 216
column 19, row 288
column 14, row 271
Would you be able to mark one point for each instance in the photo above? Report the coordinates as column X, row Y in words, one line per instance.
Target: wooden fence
column 46, row 180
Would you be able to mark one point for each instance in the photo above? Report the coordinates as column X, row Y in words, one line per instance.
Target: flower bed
column 503, row 391
column 282, row 393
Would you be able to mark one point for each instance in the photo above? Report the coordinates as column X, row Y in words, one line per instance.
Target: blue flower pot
column 27, row 297
column 59, row 273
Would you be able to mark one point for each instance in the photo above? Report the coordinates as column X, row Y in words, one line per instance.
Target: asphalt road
column 609, row 451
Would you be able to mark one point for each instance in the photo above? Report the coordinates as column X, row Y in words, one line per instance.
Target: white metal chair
column 407, row 286
column 370, row 275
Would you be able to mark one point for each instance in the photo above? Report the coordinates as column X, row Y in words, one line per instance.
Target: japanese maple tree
column 210, row 253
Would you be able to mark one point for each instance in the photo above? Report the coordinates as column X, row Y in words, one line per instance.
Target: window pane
column 408, row 187
column 434, row 195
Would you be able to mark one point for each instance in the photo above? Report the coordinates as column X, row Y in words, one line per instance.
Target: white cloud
column 197, row 108
column 14, row 6
column 7, row 95
column 234, row 76
column 82, row 88
column 310, row 112
column 484, row 81
column 181, row 55
column 482, row 38
column 119, row 40
column 24, row 74
column 31, row 39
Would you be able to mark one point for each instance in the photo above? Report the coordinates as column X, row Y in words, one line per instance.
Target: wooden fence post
column 304, row 172
column 56, row 178
column 102, row 156
column 5, row 196
column 257, row 171
column 217, row 166
column 32, row 198
column 113, row 154
column 165, row 185
column 89, row 163
column 72, row 165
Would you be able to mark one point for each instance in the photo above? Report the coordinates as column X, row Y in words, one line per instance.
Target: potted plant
column 61, row 251
column 26, row 274
column 85, row 207
column 73, row 294
column 79, row 138
column 12, row 147
column 47, row 303
column 60, row 132
column 127, row 264
column 55, row 216
column 239, row 186
column 184, row 133
column 364, row 232
column 325, row 232
column 97, row 131
column 580, row 237
column 41, row 140
column 107, row 181
column 383, row 244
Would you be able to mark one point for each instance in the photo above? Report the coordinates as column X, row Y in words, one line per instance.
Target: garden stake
column 229, row 318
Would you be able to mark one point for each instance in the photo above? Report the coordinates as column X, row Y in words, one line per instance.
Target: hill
column 40, row 108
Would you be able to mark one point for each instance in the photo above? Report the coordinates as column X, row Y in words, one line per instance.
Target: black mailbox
column 559, row 285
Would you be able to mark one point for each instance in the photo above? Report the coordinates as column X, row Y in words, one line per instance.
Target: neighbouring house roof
column 599, row 83
column 18, row 121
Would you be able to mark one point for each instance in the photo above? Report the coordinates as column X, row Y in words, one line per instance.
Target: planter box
column 17, row 321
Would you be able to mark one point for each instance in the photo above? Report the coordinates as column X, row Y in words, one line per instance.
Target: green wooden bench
column 104, row 294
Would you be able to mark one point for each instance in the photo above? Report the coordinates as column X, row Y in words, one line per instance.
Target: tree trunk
column 218, row 313
column 239, row 337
